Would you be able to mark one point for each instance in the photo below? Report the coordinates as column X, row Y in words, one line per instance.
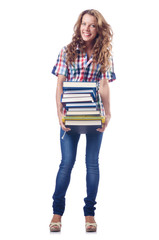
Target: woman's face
column 88, row 28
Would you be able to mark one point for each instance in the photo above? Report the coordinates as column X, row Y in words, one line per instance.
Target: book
column 74, row 113
column 80, row 105
column 73, row 93
column 76, row 99
column 71, row 85
column 84, row 118
column 83, row 127
column 81, row 109
column 79, row 86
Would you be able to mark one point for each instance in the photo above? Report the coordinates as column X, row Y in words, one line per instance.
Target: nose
column 87, row 28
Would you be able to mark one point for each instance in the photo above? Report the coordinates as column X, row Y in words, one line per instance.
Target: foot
column 55, row 225
column 91, row 225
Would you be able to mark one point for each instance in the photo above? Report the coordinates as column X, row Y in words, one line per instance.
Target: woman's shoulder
column 63, row 49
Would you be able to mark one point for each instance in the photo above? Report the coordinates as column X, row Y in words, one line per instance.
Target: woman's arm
column 59, row 91
column 104, row 92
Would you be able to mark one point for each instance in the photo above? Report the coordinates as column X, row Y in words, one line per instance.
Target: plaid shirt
column 83, row 70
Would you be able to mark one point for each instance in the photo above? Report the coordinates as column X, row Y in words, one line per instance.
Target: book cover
column 83, row 127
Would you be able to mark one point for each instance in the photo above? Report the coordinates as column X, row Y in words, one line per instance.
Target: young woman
column 87, row 58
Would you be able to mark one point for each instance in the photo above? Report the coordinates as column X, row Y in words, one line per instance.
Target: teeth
column 87, row 34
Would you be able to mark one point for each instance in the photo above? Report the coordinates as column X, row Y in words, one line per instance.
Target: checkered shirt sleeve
column 60, row 67
column 109, row 74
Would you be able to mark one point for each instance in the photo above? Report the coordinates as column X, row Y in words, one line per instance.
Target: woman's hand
column 107, row 119
column 59, row 91
column 105, row 96
column 61, row 116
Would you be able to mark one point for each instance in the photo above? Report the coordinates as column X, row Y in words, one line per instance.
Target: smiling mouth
column 87, row 34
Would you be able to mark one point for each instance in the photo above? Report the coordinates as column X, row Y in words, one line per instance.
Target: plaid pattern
column 83, row 70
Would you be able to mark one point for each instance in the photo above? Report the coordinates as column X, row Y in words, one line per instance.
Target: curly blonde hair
column 102, row 49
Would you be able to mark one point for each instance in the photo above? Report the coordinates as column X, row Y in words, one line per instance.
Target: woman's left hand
column 104, row 125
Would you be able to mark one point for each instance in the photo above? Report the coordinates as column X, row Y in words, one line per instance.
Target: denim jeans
column 69, row 143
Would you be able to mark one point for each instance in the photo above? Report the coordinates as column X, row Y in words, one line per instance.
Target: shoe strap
column 52, row 224
column 91, row 224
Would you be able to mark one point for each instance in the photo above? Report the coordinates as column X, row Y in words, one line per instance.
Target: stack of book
column 79, row 99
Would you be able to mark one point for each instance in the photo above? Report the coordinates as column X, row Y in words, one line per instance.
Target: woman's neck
column 89, row 49
column 89, row 46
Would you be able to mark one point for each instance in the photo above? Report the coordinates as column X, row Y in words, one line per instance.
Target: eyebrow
column 90, row 23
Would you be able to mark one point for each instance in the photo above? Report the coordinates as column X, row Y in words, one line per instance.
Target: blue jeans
column 69, row 144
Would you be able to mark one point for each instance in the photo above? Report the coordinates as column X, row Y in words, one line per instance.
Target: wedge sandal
column 55, row 226
column 91, row 227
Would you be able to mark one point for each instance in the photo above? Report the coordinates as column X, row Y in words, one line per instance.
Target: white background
column 32, row 34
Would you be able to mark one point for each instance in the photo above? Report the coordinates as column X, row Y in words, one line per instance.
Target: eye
column 93, row 26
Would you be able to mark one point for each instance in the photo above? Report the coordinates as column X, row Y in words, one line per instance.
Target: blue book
column 80, row 105
column 65, row 100
column 75, row 93
column 67, row 86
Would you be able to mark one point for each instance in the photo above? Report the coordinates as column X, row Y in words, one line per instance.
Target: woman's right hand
column 61, row 116
column 59, row 91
